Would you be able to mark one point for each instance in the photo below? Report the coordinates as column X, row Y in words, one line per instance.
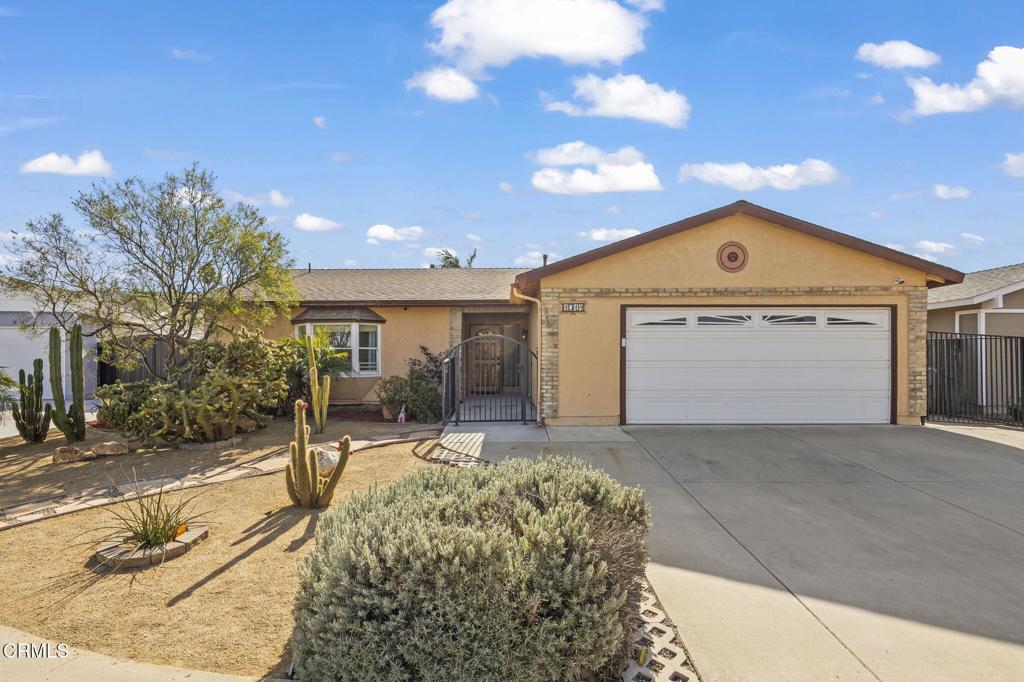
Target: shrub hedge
column 526, row 571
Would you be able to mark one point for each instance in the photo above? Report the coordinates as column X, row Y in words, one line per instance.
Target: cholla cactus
column 306, row 486
column 319, row 392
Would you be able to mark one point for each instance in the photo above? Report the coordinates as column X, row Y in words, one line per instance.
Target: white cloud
column 189, row 55
column 433, row 252
column 876, row 215
column 340, row 157
column 608, row 234
column 613, row 209
column 477, row 34
column 278, row 199
column 473, row 237
column 320, row 122
column 647, row 5
column 579, row 153
column 1013, row 165
column 896, row 247
column 312, row 223
column 934, row 247
column 534, row 259
column 897, row 54
column 90, row 163
column 445, row 84
column 351, row 262
column 274, row 197
column 505, row 187
column 626, row 96
column 998, row 79
column 742, row 176
column 951, row 192
column 973, row 238
column 876, row 99
column 927, row 257
column 624, row 170
column 381, row 232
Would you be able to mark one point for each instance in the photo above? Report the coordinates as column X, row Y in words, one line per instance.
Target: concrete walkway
column 818, row 553
column 86, row 666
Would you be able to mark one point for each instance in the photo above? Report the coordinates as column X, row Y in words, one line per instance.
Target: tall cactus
column 319, row 392
column 31, row 415
column 306, row 486
column 72, row 422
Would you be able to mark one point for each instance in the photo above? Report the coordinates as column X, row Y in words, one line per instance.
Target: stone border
column 113, row 554
column 88, row 498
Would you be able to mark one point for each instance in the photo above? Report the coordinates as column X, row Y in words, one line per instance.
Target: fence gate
column 976, row 378
column 489, row 378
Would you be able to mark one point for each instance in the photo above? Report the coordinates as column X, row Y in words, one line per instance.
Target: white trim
column 980, row 298
column 353, row 343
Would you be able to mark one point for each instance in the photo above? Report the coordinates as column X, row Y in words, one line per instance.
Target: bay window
column 359, row 340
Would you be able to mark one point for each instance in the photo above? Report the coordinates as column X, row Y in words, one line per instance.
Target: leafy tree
column 447, row 259
column 166, row 262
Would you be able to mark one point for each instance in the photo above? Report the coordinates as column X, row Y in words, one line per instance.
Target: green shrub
column 419, row 391
column 527, row 571
column 219, row 384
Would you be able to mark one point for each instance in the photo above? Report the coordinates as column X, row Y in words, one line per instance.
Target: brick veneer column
column 549, row 354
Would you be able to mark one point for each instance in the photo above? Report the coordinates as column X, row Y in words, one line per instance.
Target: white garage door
column 758, row 365
column 18, row 350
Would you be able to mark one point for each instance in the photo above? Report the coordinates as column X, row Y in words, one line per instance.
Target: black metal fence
column 489, row 378
column 976, row 378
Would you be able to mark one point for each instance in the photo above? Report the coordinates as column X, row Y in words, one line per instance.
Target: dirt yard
column 225, row 606
column 27, row 473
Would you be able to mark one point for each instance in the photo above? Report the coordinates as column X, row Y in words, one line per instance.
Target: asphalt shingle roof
column 352, row 285
column 978, row 283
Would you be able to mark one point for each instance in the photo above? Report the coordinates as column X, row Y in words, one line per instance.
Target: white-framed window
column 360, row 340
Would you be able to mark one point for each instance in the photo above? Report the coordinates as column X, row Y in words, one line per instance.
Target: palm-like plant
column 449, row 260
column 8, row 387
column 330, row 362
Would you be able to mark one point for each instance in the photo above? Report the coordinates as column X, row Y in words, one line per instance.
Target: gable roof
column 979, row 286
column 947, row 275
column 404, row 286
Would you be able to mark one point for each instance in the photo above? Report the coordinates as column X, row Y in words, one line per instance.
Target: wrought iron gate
column 489, row 378
column 976, row 378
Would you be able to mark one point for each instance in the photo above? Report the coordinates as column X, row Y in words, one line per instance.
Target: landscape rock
column 246, row 425
column 327, row 458
column 69, row 453
column 109, row 448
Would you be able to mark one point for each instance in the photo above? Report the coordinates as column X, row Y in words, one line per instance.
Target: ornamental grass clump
column 526, row 571
column 144, row 522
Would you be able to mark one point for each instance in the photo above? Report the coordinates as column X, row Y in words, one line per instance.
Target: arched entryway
column 489, row 378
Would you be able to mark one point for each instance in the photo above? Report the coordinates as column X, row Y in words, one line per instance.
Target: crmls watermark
column 30, row 650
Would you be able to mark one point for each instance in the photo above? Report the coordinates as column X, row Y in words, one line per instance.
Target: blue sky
column 434, row 121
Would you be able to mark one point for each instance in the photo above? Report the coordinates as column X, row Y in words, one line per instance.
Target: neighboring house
column 986, row 302
column 18, row 347
column 737, row 315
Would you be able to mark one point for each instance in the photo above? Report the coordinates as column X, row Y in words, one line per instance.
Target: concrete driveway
column 830, row 552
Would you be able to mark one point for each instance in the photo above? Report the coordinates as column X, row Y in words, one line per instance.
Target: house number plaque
column 573, row 307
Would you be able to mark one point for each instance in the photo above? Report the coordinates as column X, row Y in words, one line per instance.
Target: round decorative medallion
column 732, row 256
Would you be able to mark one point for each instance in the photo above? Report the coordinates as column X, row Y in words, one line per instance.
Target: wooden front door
column 484, row 360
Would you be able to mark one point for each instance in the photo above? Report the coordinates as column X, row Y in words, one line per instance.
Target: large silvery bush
column 527, row 571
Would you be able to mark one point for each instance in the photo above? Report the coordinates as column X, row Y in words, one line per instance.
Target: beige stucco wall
column 406, row 329
column 580, row 382
column 1014, row 300
column 1005, row 324
column 944, row 319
